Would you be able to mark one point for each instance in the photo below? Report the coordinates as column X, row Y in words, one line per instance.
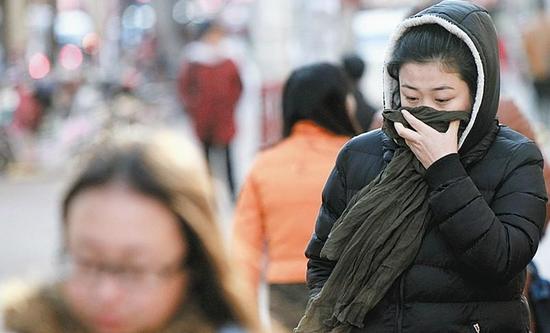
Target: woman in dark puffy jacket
column 428, row 224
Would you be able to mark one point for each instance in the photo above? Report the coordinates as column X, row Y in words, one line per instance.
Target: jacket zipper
column 477, row 328
column 400, row 304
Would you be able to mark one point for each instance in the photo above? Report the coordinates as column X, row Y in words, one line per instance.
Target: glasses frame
column 91, row 273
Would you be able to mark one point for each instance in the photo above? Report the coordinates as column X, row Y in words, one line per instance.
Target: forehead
column 116, row 218
column 429, row 75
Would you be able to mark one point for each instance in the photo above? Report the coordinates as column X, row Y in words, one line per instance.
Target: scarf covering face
column 380, row 232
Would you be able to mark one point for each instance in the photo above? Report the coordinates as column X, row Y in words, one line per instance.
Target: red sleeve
column 236, row 83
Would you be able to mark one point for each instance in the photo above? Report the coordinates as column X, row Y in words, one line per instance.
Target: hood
column 473, row 25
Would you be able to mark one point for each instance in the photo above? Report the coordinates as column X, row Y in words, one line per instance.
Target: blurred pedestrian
column 279, row 200
column 28, row 114
column 537, row 47
column 210, row 86
column 363, row 112
column 142, row 251
column 24, row 129
column 428, row 225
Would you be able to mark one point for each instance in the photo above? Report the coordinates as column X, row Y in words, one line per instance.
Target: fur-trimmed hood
column 473, row 25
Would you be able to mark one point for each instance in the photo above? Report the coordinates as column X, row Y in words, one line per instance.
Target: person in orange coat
column 279, row 201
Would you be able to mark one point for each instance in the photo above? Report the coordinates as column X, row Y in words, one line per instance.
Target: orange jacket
column 278, row 204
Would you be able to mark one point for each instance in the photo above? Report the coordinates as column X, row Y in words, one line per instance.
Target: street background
column 68, row 65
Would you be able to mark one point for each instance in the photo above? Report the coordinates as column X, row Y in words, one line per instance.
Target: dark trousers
column 228, row 165
column 287, row 303
column 542, row 88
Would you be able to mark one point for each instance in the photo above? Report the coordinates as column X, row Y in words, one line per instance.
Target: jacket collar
column 46, row 311
column 310, row 128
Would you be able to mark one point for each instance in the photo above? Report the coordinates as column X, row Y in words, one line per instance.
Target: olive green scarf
column 379, row 233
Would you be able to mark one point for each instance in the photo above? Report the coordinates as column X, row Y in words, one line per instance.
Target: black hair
column 202, row 28
column 354, row 66
column 204, row 286
column 318, row 93
column 432, row 42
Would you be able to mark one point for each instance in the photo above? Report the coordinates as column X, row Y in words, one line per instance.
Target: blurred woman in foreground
column 142, row 251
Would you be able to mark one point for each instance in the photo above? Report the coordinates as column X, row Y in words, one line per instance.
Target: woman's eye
column 132, row 270
column 132, row 273
column 442, row 101
column 86, row 265
column 411, row 99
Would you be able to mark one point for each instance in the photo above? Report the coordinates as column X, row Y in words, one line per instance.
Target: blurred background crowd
column 71, row 70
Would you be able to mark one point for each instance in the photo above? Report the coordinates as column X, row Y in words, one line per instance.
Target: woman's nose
column 108, row 290
column 429, row 103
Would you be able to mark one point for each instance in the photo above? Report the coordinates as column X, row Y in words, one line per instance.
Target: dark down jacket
column 470, row 270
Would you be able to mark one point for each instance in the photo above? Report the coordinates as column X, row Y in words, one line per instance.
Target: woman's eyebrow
column 443, row 88
column 408, row 87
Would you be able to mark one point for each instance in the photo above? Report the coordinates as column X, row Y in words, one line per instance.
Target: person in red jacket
column 209, row 87
column 280, row 198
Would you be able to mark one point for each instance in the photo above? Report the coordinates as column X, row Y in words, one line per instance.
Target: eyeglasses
column 130, row 277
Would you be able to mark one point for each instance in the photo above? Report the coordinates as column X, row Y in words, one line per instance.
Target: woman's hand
column 427, row 144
